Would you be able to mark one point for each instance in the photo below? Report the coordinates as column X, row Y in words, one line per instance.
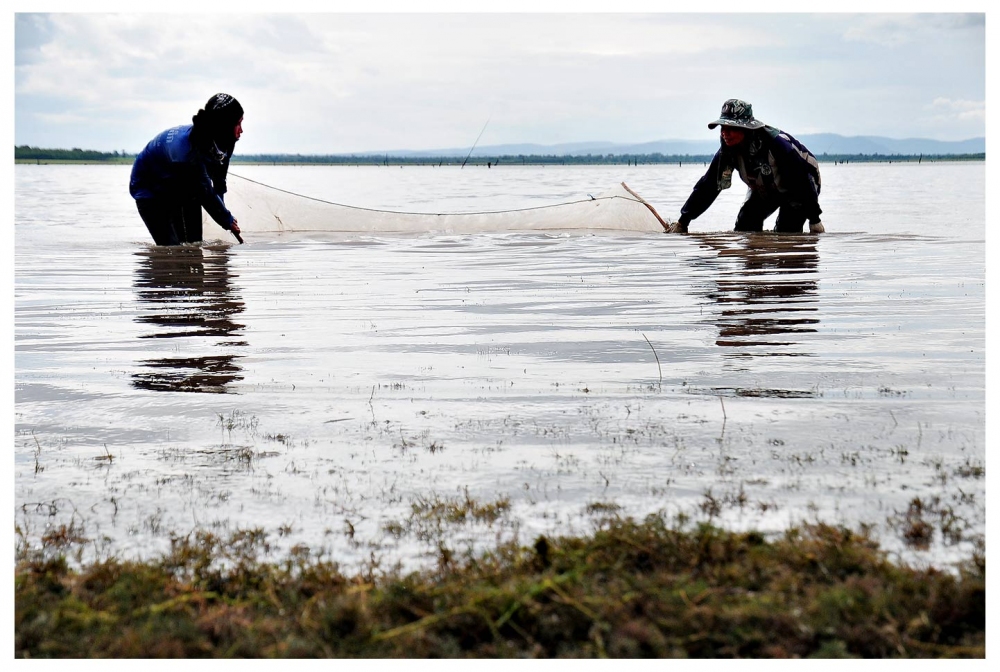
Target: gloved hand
column 816, row 227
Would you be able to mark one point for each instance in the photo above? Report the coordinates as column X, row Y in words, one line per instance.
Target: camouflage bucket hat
column 737, row 113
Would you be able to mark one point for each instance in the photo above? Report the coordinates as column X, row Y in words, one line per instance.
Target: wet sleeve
column 211, row 200
column 704, row 193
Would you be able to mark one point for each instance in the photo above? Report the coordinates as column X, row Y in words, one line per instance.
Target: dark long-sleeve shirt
column 171, row 168
column 769, row 161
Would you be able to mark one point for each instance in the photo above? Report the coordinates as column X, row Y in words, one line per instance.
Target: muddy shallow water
column 335, row 390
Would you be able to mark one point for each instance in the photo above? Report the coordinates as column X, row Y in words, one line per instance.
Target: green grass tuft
column 631, row 589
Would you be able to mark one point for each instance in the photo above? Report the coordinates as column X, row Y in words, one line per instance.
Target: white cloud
column 895, row 30
column 315, row 83
column 962, row 110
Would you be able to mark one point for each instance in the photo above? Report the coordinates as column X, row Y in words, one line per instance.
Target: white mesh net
column 260, row 208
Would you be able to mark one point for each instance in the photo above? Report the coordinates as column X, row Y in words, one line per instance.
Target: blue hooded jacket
column 171, row 168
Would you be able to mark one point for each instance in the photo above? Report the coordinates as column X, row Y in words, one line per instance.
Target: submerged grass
column 630, row 589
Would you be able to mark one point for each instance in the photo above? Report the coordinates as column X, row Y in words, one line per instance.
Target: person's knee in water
column 779, row 171
column 184, row 169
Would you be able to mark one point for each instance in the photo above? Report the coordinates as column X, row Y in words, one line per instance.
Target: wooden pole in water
column 477, row 141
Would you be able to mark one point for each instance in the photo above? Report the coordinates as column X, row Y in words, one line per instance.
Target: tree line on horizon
column 26, row 153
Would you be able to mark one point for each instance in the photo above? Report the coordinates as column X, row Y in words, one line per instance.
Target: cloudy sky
column 343, row 82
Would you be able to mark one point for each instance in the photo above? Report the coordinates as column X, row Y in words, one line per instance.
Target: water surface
column 331, row 389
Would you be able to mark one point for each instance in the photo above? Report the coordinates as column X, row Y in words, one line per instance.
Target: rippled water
column 329, row 390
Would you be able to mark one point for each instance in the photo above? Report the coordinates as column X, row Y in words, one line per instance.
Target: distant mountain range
column 818, row 143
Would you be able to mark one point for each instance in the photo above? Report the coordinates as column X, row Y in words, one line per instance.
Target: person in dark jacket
column 183, row 170
column 780, row 172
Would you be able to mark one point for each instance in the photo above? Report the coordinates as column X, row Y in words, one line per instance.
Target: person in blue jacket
column 780, row 172
column 183, row 170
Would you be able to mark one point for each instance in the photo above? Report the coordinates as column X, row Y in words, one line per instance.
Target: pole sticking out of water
column 654, row 355
column 477, row 140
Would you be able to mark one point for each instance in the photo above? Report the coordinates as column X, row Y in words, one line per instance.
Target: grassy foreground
column 629, row 590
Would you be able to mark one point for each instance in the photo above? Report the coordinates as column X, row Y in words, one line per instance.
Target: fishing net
column 260, row 208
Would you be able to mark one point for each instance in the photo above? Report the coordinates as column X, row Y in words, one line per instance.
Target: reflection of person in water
column 768, row 296
column 186, row 293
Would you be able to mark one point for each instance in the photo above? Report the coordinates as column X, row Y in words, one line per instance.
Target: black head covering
column 214, row 123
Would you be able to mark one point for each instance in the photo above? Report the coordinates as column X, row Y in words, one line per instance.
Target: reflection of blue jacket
column 172, row 169
column 770, row 162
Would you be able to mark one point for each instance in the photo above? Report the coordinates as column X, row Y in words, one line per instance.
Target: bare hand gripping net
column 260, row 208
